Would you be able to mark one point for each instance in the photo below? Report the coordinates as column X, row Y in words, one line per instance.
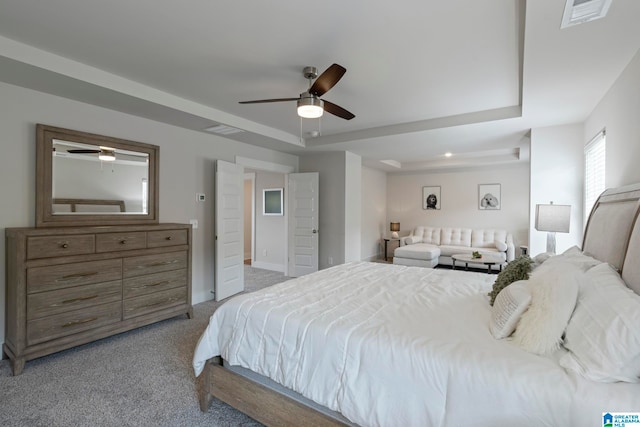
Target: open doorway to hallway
column 264, row 232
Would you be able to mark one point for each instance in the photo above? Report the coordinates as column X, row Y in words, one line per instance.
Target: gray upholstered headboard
column 613, row 232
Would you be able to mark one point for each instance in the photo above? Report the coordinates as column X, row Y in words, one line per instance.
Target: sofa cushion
column 486, row 238
column 422, row 251
column 447, row 250
column 424, row 234
column 431, row 235
column 500, row 245
column 456, row 237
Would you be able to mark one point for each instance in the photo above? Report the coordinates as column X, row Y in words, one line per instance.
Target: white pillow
column 554, row 292
column 410, row 240
column 542, row 257
column 539, row 259
column 500, row 245
column 603, row 336
column 509, row 305
column 570, row 258
column 572, row 250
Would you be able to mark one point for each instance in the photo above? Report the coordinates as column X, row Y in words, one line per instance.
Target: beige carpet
column 138, row 378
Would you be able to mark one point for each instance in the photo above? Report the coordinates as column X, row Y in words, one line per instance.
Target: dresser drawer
column 50, row 303
column 157, row 301
column 110, row 242
column 157, row 239
column 61, row 276
column 147, row 264
column 52, row 327
column 150, row 283
column 56, row 246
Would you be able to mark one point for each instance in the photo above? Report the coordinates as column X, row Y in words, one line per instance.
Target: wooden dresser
column 73, row 285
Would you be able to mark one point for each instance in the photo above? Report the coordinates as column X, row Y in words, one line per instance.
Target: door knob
column 314, row 231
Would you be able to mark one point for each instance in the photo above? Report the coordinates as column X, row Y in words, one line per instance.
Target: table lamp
column 395, row 227
column 553, row 219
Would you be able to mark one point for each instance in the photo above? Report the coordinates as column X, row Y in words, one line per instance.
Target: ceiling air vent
column 223, row 130
column 581, row 11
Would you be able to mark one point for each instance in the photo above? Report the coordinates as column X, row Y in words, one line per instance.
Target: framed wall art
column 272, row 201
column 489, row 197
column 431, row 198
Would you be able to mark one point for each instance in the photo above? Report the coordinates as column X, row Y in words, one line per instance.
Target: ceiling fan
column 106, row 154
column 309, row 103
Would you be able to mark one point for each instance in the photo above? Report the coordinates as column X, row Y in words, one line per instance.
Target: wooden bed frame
column 257, row 401
column 273, row 408
column 92, row 202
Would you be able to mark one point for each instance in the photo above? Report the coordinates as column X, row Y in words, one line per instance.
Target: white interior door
column 303, row 223
column 229, row 256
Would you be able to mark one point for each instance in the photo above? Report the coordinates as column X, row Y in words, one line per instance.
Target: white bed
column 389, row 345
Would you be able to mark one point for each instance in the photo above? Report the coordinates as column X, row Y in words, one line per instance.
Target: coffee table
column 487, row 259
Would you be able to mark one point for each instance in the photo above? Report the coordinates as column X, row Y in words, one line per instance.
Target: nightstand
column 386, row 242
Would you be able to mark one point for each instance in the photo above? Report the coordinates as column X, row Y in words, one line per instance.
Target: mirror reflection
column 89, row 179
column 86, row 179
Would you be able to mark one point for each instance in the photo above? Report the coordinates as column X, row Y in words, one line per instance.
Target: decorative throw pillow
column 518, row 269
column 509, row 305
column 554, row 292
column 500, row 245
column 603, row 335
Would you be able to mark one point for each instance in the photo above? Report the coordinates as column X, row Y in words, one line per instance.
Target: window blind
column 594, row 171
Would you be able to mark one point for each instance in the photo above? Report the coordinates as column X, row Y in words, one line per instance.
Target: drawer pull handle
column 79, row 275
column 64, row 245
column 79, row 322
column 164, row 282
column 168, row 237
column 165, row 301
column 69, row 301
column 123, row 241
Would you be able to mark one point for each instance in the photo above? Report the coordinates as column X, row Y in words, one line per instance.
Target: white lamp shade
column 310, row 107
column 107, row 155
column 553, row 218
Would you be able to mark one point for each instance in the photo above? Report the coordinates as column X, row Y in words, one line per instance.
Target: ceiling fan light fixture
column 107, row 155
column 310, row 107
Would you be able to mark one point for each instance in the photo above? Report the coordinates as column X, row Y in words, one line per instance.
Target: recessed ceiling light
column 448, row 154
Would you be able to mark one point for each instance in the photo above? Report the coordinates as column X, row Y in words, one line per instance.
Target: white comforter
column 389, row 345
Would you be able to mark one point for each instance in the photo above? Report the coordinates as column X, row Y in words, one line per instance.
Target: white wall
column 619, row 113
column 352, row 207
column 459, row 200
column 373, row 221
column 557, row 174
column 187, row 167
column 270, row 239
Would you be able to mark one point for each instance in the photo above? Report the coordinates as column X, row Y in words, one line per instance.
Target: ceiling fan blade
column 260, row 101
column 327, row 80
column 82, row 151
column 337, row 110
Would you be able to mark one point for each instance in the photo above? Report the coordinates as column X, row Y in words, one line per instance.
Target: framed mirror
column 89, row 179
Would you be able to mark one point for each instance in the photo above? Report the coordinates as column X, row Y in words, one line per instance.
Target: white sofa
column 430, row 246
